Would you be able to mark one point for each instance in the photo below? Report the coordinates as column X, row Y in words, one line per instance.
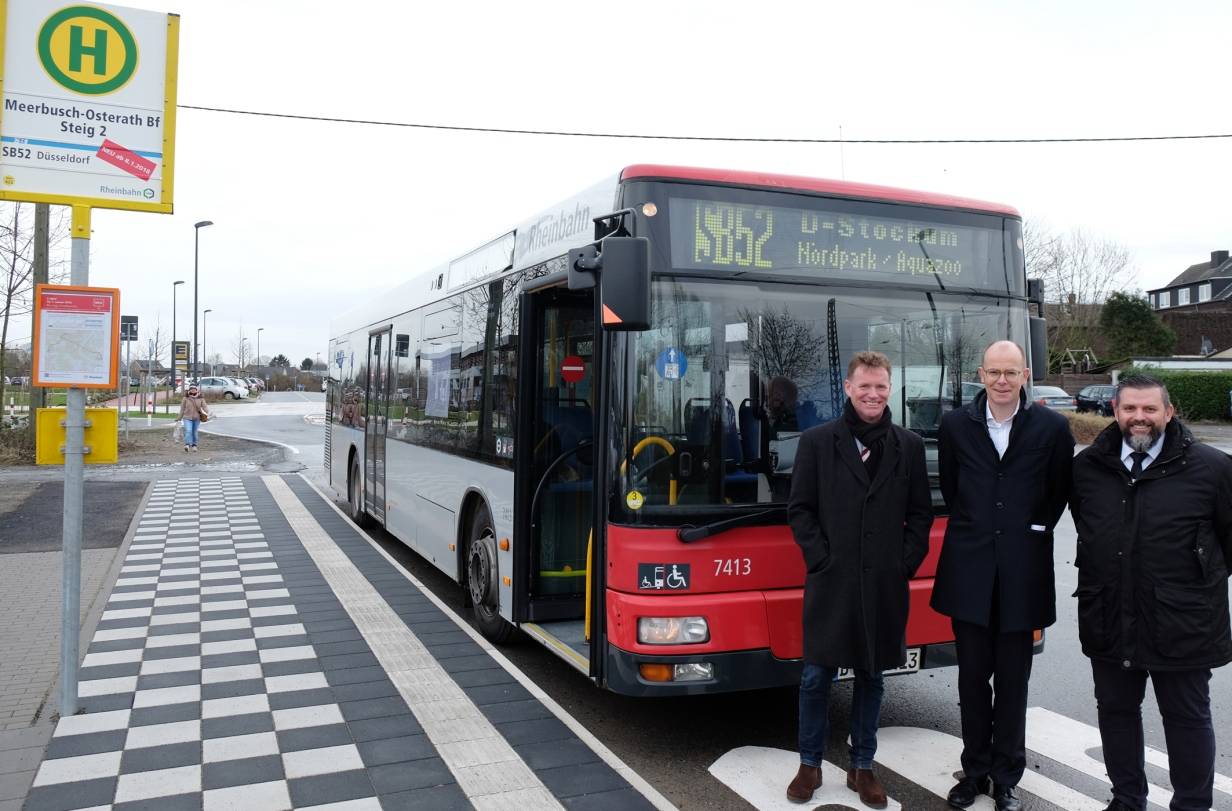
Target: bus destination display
column 715, row 235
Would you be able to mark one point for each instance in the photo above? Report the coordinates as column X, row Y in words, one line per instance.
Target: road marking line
column 1067, row 741
column 388, row 637
column 929, row 759
column 609, row 757
column 760, row 775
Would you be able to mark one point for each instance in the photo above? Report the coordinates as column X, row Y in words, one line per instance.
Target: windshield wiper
column 690, row 534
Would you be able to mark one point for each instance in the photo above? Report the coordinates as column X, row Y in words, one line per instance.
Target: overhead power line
column 722, row 138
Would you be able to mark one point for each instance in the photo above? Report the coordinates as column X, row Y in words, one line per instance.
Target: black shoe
column 966, row 790
column 1117, row 805
column 1005, row 798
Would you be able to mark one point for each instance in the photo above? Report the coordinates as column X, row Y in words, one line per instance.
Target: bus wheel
column 483, row 578
column 355, row 496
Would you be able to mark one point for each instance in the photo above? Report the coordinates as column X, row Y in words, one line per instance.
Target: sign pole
column 127, row 383
column 74, row 492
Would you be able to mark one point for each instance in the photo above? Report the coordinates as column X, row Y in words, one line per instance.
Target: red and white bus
column 617, row 489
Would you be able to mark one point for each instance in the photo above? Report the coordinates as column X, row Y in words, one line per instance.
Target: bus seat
column 806, row 415
column 750, row 430
column 699, row 429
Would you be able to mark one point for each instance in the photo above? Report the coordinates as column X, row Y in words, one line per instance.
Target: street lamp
column 196, row 252
column 259, row 329
column 205, row 346
column 174, row 285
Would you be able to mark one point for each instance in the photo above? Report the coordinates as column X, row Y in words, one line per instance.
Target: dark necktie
column 1139, row 457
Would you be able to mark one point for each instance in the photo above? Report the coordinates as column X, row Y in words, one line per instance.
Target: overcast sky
column 312, row 218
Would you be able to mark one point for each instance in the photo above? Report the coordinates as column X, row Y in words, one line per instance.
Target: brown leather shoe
column 866, row 784
column 806, row 781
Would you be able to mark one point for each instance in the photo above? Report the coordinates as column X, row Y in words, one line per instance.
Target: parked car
column 1096, row 398
column 970, row 390
column 254, row 384
column 225, row 387
column 239, row 381
column 1053, row 397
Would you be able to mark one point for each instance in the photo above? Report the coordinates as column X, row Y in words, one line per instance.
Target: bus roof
column 569, row 222
column 837, row 188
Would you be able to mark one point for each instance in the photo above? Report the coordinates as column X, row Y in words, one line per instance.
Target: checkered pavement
column 200, row 685
column 257, row 652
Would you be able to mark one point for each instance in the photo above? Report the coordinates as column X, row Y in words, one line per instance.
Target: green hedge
column 1196, row 395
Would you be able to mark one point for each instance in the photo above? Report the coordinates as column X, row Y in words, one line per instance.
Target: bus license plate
column 912, row 665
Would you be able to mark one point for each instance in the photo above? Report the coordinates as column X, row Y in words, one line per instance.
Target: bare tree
column 1079, row 271
column 239, row 348
column 786, row 347
column 154, row 348
column 17, row 266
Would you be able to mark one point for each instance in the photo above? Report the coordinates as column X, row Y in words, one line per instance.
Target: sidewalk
column 257, row 652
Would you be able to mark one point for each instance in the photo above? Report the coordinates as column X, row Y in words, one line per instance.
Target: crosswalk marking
column 760, row 775
column 929, row 759
column 1068, row 741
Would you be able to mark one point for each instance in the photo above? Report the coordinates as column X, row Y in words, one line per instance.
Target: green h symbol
column 77, row 49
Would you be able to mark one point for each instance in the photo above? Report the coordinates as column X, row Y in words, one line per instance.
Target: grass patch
column 1085, row 427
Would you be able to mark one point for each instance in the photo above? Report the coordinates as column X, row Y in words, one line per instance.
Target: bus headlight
column 672, row 630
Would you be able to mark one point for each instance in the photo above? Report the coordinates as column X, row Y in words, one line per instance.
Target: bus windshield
column 732, row 371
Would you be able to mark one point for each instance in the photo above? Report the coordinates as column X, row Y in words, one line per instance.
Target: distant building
column 1197, row 306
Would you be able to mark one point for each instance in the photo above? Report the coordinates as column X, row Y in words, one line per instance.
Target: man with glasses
column 1005, row 474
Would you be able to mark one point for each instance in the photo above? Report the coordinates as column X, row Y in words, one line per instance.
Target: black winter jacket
column 1153, row 555
column 862, row 541
column 994, row 502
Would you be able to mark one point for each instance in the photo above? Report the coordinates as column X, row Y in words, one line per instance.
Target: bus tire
column 483, row 578
column 355, row 495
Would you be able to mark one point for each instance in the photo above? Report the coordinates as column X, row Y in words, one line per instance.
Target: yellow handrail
column 665, row 445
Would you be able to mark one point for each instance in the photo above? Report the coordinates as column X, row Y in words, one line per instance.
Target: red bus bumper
column 756, row 640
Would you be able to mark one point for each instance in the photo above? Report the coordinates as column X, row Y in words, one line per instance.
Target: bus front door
column 554, row 490
column 375, row 420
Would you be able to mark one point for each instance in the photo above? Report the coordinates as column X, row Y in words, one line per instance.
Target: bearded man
column 1153, row 509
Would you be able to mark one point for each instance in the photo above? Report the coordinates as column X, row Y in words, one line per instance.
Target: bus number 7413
column 735, row 567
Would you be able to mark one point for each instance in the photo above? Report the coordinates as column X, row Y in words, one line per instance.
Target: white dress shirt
column 999, row 432
column 1151, row 453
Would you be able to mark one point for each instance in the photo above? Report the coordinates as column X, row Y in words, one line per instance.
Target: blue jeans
column 191, row 429
column 815, row 684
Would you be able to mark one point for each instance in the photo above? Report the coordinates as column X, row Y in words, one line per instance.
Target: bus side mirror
column 624, row 284
column 1035, row 293
column 622, row 265
column 1039, row 349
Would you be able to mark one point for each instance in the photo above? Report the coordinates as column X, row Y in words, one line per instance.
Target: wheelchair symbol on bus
column 662, row 576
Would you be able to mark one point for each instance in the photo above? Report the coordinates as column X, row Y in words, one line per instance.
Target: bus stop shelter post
column 74, row 491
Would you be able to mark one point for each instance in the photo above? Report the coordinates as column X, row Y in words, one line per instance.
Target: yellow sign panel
column 102, row 436
column 88, row 104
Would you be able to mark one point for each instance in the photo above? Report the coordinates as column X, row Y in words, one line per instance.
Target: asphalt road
column 675, row 742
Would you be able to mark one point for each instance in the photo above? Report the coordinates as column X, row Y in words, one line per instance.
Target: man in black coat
column 860, row 509
column 1005, row 470
column 1153, row 508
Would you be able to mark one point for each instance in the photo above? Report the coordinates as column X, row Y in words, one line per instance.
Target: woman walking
column 193, row 412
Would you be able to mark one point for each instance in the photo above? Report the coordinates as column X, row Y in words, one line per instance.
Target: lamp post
column 205, row 345
column 259, row 329
column 174, row 285
column 196, row 253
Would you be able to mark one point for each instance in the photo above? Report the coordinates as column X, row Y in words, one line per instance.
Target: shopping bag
column 178, row 431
